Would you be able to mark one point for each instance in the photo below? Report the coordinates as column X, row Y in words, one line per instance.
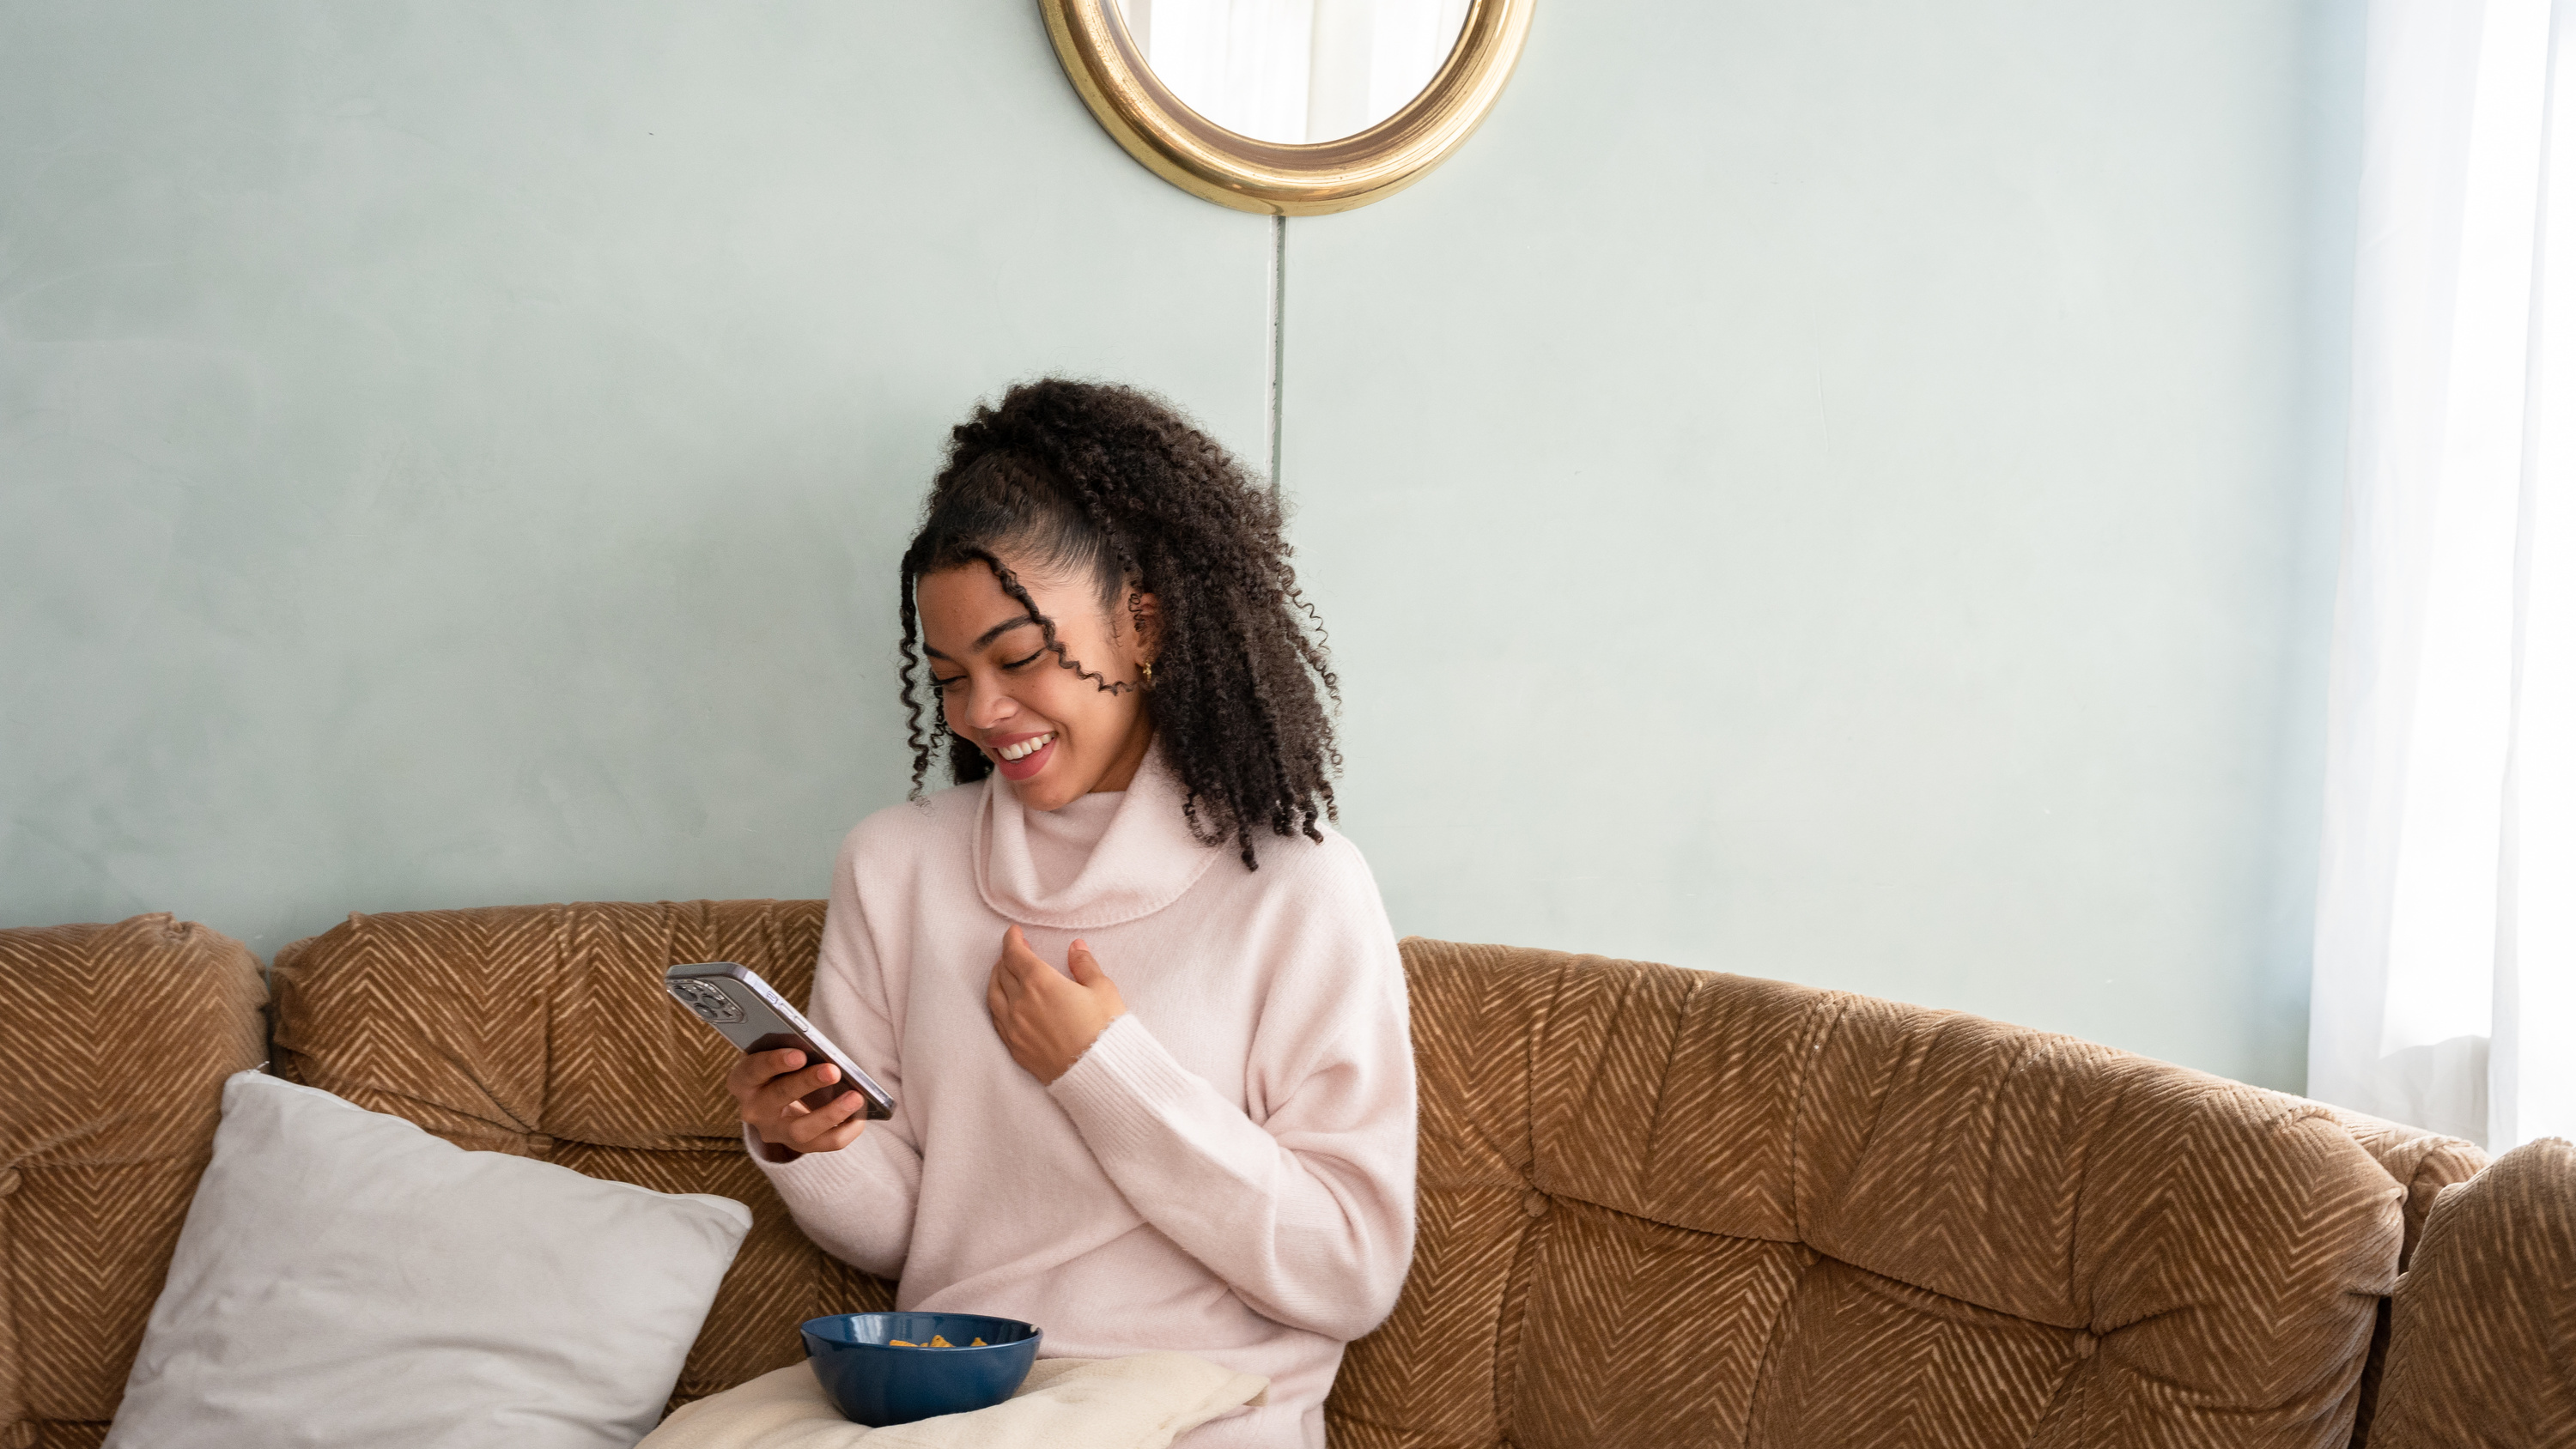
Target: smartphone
column 735, row 1001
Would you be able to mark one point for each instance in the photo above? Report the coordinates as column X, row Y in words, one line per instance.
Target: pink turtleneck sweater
column 1228, row 1171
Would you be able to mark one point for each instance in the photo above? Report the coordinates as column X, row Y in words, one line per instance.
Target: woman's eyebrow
column 1002, row 628
column 987, row 637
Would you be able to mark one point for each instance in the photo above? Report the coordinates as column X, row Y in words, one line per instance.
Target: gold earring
column 1148, row 667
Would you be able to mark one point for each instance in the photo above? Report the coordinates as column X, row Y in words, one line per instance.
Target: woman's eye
column 1023, row 663
column 942, row 684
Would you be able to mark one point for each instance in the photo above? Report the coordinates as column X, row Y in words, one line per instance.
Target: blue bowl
column 874, row 1383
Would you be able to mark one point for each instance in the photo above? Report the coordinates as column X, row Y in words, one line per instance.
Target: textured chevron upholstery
column 1665, row 1207
column 543, row 1031
column 2423, row 1164
column 1658, row 1206
column 2485, row 1347
column 114, row 1043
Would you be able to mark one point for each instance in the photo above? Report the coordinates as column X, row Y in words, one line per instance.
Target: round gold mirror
column 1292, row 107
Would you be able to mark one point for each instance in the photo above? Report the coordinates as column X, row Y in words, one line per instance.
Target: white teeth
column 1025, row 748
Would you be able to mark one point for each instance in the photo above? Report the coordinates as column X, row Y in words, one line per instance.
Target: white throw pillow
column 347, row 1280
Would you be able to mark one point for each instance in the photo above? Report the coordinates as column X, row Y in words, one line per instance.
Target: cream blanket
column 1143, row 1401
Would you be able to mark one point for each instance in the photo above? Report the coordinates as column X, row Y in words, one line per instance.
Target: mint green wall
column 1846, row 492
column 1837, row 491
column 457, row 453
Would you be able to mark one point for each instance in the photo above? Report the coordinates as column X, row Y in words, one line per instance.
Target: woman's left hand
column 1047, row 1018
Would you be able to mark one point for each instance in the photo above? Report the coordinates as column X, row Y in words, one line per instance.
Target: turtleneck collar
column 1143, row 859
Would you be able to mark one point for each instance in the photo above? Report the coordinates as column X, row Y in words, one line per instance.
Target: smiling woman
column 1054, row 732
column 1212, row 1152
column 1129, row 542
column 1010, row 681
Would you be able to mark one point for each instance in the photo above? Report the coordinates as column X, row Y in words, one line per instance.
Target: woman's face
column 1052, row 733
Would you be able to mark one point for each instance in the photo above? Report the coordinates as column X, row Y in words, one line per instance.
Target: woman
column 1198, row 1134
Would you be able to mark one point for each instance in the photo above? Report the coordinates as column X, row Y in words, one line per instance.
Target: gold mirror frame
column 1205, row 159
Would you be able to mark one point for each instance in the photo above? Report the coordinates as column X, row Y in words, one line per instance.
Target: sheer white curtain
column 1295, row 70
column 1372, row 56
column 2445, row 977
column 1244, row 64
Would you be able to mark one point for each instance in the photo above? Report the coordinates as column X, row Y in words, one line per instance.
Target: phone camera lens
column 707, row 1001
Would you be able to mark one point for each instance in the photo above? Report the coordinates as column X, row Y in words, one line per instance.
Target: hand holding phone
column 772, row 1090
column 797, row 1090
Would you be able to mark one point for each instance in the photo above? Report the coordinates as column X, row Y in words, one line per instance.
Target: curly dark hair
column 1076, row 477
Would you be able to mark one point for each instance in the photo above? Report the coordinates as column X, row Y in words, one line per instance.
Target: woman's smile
column 1022, row 756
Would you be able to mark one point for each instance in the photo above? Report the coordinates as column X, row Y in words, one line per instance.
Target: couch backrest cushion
column 2423, row 1163
column 2484, row 1351
column 544, row 1031
column 1663, row 1205
column 115, row 1040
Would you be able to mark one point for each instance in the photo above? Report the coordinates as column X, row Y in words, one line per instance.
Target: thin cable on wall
column 1278, row 337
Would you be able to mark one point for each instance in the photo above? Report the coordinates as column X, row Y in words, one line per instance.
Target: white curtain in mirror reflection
column 1295, row 71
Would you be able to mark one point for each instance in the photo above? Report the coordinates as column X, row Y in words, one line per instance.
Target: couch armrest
column 116, row 1040
column 2482, row 1348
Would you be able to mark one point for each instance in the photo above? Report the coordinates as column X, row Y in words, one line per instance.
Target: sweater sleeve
column 857, row 1203
column 1307, row 1212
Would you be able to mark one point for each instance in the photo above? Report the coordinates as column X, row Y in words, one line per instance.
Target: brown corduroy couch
column 1657, row 1206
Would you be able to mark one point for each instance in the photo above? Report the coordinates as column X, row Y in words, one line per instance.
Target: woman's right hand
column 769, row 1086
